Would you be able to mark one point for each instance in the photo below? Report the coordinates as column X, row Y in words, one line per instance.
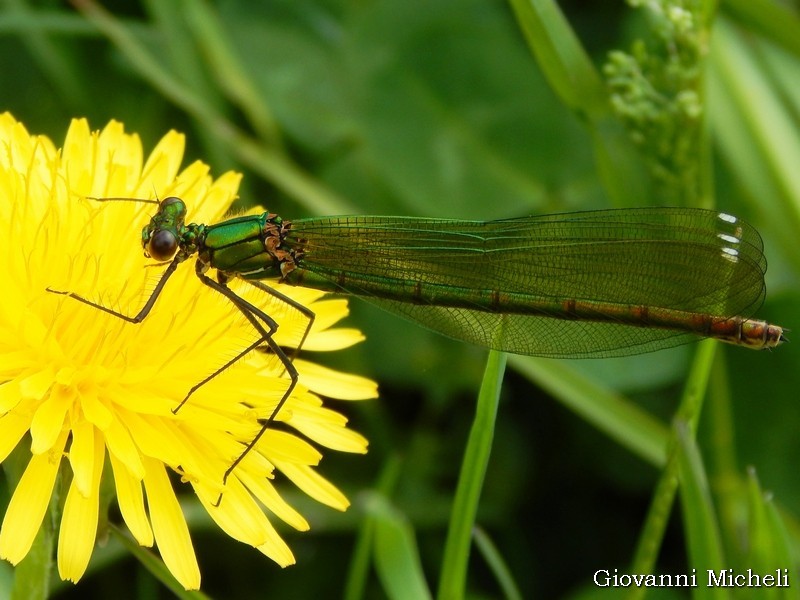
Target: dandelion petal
column 12, row 427
column 29, row 503
column 79, row 522
column 131, row 502
column 169, row 526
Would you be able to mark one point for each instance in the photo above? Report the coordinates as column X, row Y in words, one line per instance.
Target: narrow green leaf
column 764, row 149
column 179, row 56
column 396, row 554
column 452, row 583
column 724, row 476
column 769, row 18
column 497, row 564
column 688, row 412
column 229, row 71
column 769, row 551
column 572, row 75
column 360, row 562
column 695, row 390
column 782, row 549
column 699, row 519
column 560, row 53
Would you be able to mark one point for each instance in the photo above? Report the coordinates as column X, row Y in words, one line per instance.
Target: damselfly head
column 160, row 237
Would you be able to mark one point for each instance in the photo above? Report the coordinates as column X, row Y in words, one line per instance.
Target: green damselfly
column 573, row 285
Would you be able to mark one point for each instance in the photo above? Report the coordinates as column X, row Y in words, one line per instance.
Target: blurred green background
column 442, row 109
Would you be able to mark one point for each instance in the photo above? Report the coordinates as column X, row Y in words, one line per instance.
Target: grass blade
column 476, row 458
column 396, row 554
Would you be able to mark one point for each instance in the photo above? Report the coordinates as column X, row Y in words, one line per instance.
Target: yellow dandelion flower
column 88, row 386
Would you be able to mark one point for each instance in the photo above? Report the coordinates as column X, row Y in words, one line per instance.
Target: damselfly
column 574, row 285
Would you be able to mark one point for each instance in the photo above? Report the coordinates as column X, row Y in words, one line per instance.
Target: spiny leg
column 227, row 365
column 304, row 310
column 248, row 310
column 142, row 314
column 253, row 314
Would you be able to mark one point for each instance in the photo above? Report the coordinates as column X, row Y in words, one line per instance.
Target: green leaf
column 561, row 55
column 755, row 125
column 769, row 18
column 452, row 583
column 769, row 550
column 575, row 80
column 700, row 523
column 688, row 413
column 396, row 554
column 360, row 562
column 497, row 564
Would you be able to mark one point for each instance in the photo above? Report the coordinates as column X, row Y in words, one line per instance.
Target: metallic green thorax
column 250, row 247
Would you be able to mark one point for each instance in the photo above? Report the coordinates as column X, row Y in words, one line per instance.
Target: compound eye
column 162, row 245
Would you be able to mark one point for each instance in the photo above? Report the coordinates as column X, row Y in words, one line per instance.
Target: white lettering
column 601, row 578
column 749, row 579
column 715, row 580
column 606, row 578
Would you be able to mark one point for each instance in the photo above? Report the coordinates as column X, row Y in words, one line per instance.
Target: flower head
column 89, row 386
